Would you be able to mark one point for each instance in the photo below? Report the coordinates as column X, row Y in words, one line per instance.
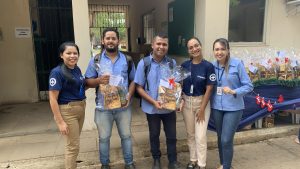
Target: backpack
column 129, row 61
column 147, row 66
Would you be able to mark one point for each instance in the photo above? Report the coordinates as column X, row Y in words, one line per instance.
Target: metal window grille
column 104, row 16
column 148, row 24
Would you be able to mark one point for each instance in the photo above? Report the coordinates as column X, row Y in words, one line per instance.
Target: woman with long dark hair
column 227, row 101
column 67, row 100
column 197, row 90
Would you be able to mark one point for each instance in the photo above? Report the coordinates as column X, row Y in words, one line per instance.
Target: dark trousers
column 299, row 135
column 169, row 124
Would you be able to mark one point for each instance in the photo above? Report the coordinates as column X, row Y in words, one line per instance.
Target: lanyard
column 220, row 77
column 191, row 73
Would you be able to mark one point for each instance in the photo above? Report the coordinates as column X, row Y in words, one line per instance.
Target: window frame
column 150, row 12
column 264, row 35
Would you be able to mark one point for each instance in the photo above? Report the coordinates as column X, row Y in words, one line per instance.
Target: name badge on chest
column 192, row 89
column 219, row 91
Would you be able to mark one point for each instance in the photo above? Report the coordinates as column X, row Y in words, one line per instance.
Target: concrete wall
column 281, row 29
column 18, row 74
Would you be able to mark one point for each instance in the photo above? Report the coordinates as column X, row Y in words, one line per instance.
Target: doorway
column 52, row 24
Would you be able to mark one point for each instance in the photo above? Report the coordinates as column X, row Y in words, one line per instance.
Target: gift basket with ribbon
column 169, row 90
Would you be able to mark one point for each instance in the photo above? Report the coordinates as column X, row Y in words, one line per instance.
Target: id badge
column 219, row 91
column 192, row 89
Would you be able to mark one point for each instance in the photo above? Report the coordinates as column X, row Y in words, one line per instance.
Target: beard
column 111, row 50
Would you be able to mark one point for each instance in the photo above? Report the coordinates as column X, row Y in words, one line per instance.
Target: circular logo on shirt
column 52, row 81
column 212, row 77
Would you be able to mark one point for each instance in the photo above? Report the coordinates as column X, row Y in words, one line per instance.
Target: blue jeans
column 299, row 134
column 104, row 121
column 169, row 123
column 226, row 123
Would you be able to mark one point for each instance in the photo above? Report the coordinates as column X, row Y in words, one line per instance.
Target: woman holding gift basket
column 67, row 100
column 227, row 101
column 197, row 90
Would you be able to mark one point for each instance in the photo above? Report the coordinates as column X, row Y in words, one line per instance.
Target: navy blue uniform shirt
column 68, row 91
column 202, row 74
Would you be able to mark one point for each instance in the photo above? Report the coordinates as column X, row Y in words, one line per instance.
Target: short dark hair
column 110, row 29
column 63, row 46
column 161, row 35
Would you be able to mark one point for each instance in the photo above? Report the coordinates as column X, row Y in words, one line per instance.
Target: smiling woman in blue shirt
column 67, row 100
column 227, row 101
column 197, row 90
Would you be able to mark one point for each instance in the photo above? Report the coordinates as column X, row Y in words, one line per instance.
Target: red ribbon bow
column 286, row 60
column 172, row 82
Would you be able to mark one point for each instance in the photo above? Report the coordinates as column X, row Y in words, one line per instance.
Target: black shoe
column 191, row 165
column 156, row 164
column 105, row 167
column 130, row 166
column 175, row 165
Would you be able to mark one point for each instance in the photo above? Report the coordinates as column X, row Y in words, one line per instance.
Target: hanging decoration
column 260, row 101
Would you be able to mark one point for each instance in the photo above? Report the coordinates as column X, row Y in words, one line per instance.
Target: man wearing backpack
column 147, row 80
column 113, row 61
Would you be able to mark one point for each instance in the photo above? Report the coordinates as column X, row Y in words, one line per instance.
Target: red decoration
column 286, row 60
column 258, row 99
column 269, row 106
column 263, row 103
column 277, row 59
column 280, row 99
column 172, row 82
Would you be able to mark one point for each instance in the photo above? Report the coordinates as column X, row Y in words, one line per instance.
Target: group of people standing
column 215, row 89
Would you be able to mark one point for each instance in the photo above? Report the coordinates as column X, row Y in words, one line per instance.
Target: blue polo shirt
column 238, row 80
column 153, row 79
column 202, row 74
column 119, row 67
column 68, row 91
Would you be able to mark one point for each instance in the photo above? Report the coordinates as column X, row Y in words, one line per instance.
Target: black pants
column 169, row 123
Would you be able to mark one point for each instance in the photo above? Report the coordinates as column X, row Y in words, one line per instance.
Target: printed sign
column 24, row 32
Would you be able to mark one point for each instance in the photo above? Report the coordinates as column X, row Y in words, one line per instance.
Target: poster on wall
column 22, row 32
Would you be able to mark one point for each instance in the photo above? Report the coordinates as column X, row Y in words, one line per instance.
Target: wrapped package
column 111, row 97
column 169, row 90
column 169, row 97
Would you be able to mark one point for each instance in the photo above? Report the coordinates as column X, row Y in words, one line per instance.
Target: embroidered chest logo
column 52, row 81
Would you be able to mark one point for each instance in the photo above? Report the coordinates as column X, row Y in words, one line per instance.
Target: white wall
column 282, row 31
column 17, row 64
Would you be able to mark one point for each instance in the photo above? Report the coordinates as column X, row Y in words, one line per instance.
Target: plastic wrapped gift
column 169, row 97
column 169, row 90
column 112, row 95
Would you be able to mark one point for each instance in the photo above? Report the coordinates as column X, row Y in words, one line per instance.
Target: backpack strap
column 97, row 59
column 129, row 64
column 147, row 66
